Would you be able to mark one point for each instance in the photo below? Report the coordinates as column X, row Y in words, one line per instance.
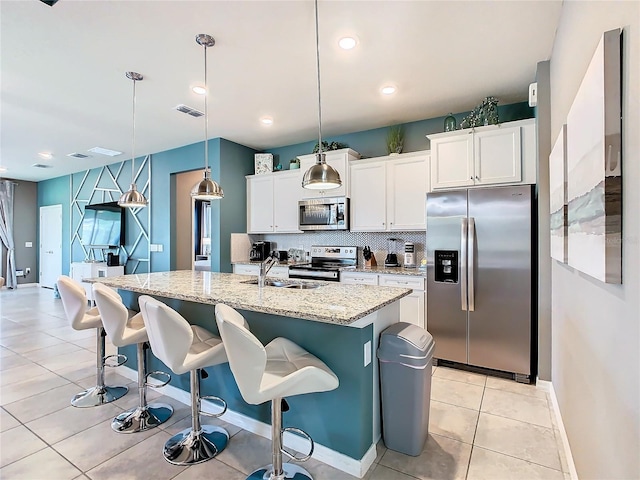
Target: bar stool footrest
column 291, row 472
column 214, row 399
column 119, row 362
column 189, row 447
column 300, row 432
column 157, row 373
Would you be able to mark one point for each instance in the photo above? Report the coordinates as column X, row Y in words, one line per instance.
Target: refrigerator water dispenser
column 446, row 263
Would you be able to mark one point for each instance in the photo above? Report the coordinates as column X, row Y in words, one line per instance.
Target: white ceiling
column 64, row 90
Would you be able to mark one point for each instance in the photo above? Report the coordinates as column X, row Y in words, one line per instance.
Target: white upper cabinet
column 407, row 187
column 338, row 159
column 388, row 193
column 272, row 202
column 490, row 155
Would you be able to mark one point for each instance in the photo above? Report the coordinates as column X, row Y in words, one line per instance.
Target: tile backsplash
column 377, row 241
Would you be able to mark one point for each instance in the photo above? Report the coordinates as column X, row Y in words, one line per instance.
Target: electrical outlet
column 27, row 271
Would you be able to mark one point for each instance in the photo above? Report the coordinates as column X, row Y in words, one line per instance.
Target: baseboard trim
column 337, row 460
column 548, row 387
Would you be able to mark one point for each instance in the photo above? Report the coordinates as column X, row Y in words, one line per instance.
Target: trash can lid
column 406, row 343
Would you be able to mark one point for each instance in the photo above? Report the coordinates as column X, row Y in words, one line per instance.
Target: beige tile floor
column 480, row 427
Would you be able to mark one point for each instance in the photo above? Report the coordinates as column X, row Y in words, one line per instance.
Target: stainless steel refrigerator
column 480, row 277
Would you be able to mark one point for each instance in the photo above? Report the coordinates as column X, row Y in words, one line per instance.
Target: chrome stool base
column 290, row 471
column 189, row 448
column 95, row 396
column 139, row 419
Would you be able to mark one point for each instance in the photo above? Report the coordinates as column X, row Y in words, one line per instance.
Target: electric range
column 326, row 263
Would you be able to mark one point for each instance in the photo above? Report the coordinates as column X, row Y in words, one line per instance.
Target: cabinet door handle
column 470, row 178
column 477, row 177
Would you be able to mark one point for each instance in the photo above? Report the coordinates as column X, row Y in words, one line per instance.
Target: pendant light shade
column 320, row 176
column 133, row 198
column 206, row 189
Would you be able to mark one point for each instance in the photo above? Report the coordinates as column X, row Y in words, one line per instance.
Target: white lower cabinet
column 254, row 269
column 412, row 307
column 80, row 270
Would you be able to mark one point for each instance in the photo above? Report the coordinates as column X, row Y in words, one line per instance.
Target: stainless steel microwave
column 330, row 213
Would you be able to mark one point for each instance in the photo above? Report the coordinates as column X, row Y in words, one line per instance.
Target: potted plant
column 395, row 140
column 294, row 163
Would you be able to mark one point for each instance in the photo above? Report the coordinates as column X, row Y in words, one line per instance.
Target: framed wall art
column 594, row 166
column 558, row 197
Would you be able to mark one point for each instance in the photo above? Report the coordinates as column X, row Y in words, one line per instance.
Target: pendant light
column 320, row 176
column 206, row 189
column 133, row 198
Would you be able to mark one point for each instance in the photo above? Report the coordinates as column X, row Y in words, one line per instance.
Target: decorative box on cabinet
column 388, row 193
column 80, row 270
column 338, row 159
column 489, row 155
column 272, row 202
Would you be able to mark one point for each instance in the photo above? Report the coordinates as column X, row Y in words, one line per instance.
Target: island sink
column 285, row 284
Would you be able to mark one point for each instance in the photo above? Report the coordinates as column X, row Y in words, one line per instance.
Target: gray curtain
column 6, row 229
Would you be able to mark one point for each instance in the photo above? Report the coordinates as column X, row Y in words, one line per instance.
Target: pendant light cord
column 318, row 70
column 133, row 137
column 206, row 116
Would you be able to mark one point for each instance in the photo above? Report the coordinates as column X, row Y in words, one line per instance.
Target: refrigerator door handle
column 463, row 264
column 472, row 257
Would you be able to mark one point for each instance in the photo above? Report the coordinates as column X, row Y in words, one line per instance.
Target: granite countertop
column 331, row 302
column 381, row 269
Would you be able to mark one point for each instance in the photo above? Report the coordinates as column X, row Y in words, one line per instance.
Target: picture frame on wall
column 594, row 166
column 558, row 207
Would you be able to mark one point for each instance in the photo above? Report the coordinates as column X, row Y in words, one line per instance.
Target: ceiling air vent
column 105, row 151
column 189, row 111
column 78, row 155
column 42, row 165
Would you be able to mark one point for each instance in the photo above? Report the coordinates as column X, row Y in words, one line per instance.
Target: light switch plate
column 367, row 353
column 28, row 244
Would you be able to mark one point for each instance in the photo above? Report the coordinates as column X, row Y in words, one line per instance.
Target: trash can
column 405, row 354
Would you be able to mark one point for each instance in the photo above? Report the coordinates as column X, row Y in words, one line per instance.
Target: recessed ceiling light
column 347, row 43
column 199, row 90
column 45, row 155
column 388, row 90
column 266, row 121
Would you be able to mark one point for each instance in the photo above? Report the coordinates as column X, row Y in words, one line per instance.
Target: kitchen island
column 338, row 323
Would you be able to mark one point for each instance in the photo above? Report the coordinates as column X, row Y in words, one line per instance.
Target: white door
column 50, row 245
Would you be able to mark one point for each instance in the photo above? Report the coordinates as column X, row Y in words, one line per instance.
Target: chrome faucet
column 265, row 266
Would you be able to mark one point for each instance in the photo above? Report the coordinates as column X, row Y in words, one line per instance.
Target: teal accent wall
column 53, row 192
column 229, row 215
column 373, row 143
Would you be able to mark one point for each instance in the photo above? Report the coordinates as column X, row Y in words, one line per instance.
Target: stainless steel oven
column 326, row 263
column 331, row 213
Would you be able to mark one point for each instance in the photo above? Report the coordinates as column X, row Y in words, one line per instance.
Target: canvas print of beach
column 558, row 197
column 594, row 170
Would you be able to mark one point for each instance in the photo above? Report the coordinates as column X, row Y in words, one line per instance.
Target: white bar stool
column 271, row 372
column 186, row 348
column 74, row 300
column 126, row 327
